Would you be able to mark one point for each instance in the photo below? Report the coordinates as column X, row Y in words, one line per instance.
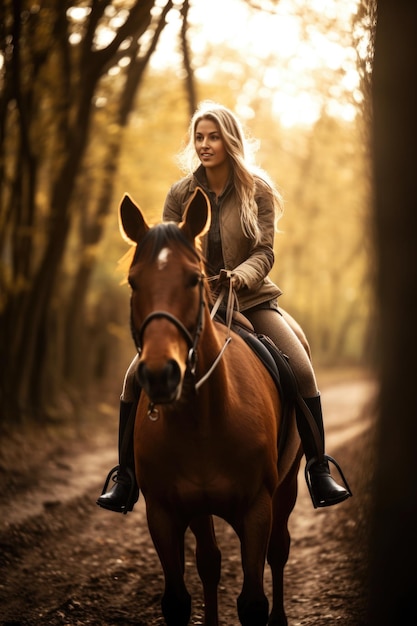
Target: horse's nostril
column 173, row 373
column 141, row 374
column 160, row 384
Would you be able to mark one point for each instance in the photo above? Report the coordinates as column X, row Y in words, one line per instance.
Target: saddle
column 278, row 365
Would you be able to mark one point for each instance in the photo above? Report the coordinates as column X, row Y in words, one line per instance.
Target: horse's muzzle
column 162, row 386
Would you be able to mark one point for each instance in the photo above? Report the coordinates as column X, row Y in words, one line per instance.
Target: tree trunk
column 74, row 73
column 393, row 533
column 189, row 73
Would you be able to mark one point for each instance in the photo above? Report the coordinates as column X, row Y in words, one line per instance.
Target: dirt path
column 65, row 561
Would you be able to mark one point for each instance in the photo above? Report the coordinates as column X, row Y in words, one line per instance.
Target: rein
column 231, row 298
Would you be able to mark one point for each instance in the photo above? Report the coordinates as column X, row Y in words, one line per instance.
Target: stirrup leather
column 329, row 459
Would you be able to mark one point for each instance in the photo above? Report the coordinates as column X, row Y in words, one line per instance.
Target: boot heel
column 330, row 459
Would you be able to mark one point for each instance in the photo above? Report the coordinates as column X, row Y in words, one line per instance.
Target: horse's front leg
column 253, row 532
column 209, row 565
column 167, row 532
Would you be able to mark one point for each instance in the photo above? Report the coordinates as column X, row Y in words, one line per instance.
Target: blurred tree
column 186, row 55
column 109, row 125
column 54, row 56
column 393, row 535
column 323, row 254
column 70, row 74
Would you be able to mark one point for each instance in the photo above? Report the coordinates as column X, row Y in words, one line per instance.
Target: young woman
column 245, row 207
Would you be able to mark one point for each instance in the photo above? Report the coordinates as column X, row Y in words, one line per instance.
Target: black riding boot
column 125, row 492
column 324, row 490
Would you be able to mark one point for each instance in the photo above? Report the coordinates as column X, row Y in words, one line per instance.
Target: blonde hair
column 241, row 153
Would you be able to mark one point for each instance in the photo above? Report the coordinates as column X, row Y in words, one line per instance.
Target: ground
column 65, row 561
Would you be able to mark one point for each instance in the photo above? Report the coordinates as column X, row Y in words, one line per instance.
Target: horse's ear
column 132, row 223
column 196, row 220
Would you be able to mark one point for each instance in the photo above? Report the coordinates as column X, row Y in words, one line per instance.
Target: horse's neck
column 213, row 337
column 212, row 354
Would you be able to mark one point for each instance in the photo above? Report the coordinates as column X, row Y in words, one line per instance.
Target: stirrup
column 114, row 471
column 133, row 491
column 329, row 459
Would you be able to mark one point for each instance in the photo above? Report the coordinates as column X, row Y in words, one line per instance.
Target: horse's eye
column 194, row 280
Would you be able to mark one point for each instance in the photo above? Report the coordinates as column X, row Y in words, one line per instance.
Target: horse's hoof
column 253, row 613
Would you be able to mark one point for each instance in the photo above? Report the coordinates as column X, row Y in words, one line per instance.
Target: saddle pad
column 280, row 370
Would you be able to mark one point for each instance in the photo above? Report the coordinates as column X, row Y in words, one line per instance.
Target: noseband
column 192, row 342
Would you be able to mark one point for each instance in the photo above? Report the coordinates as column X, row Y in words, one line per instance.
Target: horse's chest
column 201, row 469
column 202, row 479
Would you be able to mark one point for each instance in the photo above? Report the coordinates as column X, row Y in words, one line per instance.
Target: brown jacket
column 251, row 262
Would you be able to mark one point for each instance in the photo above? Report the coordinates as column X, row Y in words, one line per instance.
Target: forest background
column 95, row 102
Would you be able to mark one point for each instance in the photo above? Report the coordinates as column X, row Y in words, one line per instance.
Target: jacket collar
column 200, row 178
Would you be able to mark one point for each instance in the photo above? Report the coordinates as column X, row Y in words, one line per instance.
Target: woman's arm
column 172, row 211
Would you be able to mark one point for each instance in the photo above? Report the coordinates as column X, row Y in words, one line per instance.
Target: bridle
column 192, row 341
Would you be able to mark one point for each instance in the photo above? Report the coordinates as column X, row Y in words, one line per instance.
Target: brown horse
column 206, row 427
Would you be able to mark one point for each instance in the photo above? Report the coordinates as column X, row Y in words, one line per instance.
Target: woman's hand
column 237, row 282
column 228, row 275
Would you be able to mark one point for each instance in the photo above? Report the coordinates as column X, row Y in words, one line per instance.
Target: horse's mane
column 161, row 236
column 155, row 239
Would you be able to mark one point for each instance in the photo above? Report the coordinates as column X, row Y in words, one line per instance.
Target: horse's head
column 167, row 302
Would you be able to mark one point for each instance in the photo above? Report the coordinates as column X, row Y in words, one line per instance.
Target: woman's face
column 209, row 144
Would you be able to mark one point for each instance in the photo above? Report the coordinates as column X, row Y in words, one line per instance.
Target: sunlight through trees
column 95, row 102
